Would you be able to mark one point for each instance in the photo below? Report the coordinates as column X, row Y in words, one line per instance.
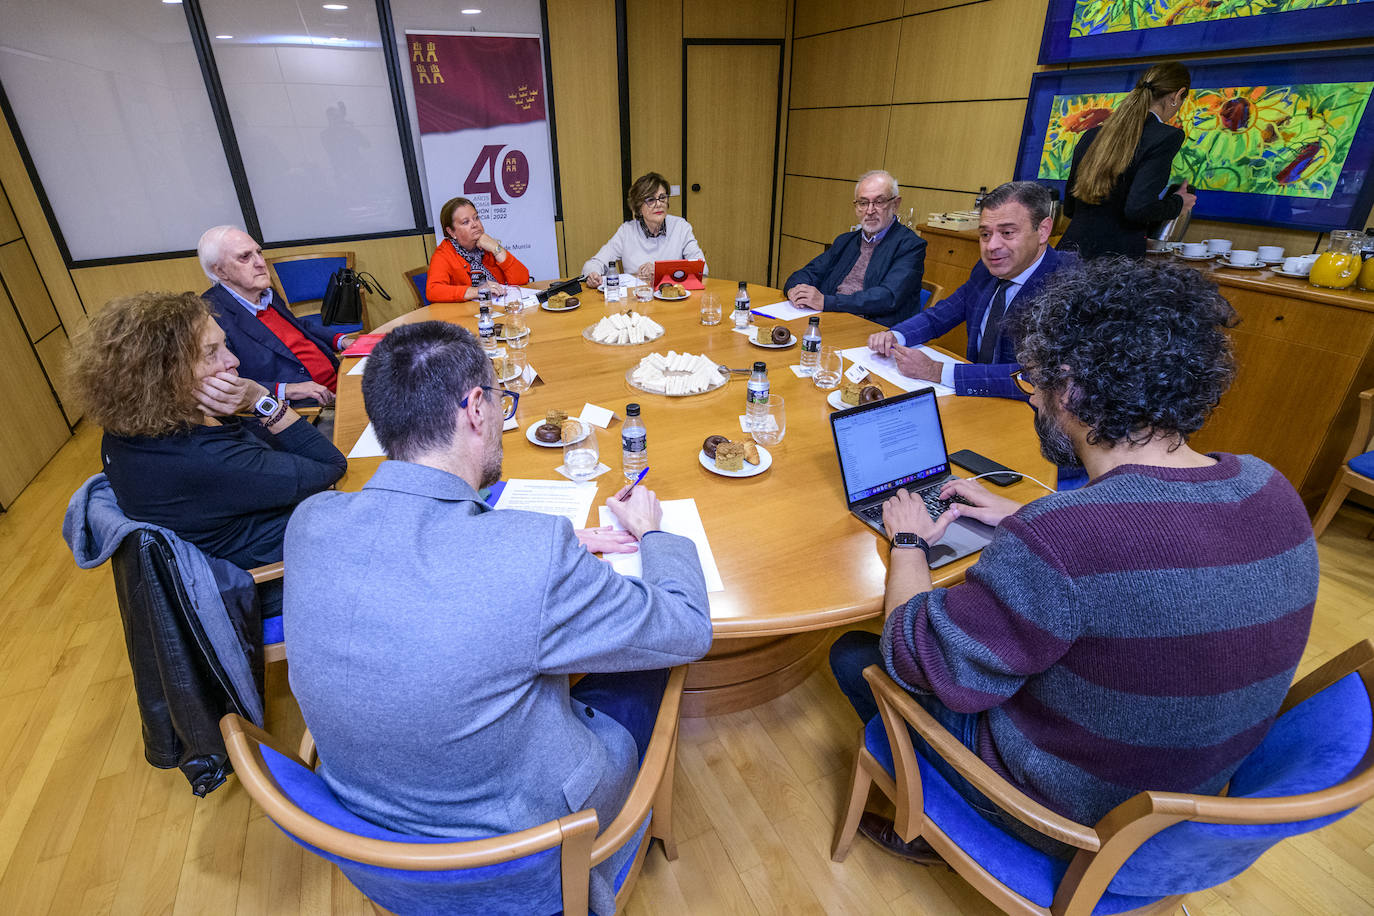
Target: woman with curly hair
column 1120, row 169
column 189, row 445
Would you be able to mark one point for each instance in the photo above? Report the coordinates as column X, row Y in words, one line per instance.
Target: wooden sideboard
column 1303, row 354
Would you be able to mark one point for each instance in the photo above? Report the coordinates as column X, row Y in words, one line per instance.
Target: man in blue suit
column 275, row 349
column 1014, row 234
column 873, row 271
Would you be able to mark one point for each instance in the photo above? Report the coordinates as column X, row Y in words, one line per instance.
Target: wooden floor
column 88, row 827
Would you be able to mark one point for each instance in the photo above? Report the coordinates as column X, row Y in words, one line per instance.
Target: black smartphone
column 976, row 463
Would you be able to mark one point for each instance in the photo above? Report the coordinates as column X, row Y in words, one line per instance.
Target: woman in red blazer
column 468, row 259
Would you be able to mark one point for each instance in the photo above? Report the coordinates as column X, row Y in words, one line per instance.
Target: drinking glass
column 829, row 369
column 644, row 294
column 771, row 426
column 516, row 325
column 710, row 309
column 582, row 455
column 518, row 361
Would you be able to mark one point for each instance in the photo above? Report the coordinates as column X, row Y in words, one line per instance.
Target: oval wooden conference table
column 794, row 562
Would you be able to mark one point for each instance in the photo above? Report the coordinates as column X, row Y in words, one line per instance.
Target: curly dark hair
column 1140, row 347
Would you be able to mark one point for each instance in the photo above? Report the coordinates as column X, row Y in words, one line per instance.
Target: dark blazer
column 892, row 283
column 262, row 357
column 1120, row 223
column 967, row 305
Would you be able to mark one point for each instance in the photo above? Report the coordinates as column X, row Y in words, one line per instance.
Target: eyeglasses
column 862, row 204
column 660, row 199
column 508, row 400
column 1023, row 381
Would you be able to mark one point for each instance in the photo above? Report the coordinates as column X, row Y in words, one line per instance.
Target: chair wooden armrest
column 267, row 573
column 657, row 758
column 1360, row 442
column 898, row 709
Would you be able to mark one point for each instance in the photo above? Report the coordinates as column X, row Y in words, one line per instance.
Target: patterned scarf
column 475, row 265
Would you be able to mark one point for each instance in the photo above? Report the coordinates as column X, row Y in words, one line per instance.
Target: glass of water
column 710, row 309
column 581, row 454
column 518, row 361
column 829, row 369
column 771, row 426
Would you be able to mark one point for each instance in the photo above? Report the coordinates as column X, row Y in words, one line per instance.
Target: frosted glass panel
column 109, row 99
column 311, row 105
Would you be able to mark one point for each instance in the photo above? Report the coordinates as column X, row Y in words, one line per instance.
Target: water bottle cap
column 631, row 410
column 760, row 366
column 741, row 284
column 814, row 320
column 484, row 309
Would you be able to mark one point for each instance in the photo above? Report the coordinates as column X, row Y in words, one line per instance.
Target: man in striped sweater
column 1138, row 633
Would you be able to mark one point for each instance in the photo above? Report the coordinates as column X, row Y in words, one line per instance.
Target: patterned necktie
column 987, row 348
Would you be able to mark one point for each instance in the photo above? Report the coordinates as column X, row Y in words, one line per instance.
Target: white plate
column 1195, row 257
column 629, row 373
column 504, row 336
column 1283, row 273
column 754, row 335
column 587, row 334
column 1272, row 260
column 835, row 400
column 749, row 470
column 658, row 295
column 546, row 307
column 514, row 374
column 529, row 434
column 1229, row 265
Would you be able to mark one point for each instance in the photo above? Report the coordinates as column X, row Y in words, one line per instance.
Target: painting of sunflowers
column 1096, row 17
column 1282, row 140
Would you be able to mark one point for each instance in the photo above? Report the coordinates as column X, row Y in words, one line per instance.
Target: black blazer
column 892, row 282
column 1120, row 223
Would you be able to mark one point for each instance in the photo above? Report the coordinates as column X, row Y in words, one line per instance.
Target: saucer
column 1227, row 264
column 1195, row 257
column 1283, row 273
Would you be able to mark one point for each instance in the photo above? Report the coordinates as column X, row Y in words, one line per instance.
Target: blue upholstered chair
column 419, row 279
column 1314, row 766
column 930, row 292
column 303, row 278
column 541, row 870
column 1356, row 471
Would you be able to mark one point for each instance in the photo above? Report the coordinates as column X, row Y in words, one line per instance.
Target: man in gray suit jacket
column 431, row 637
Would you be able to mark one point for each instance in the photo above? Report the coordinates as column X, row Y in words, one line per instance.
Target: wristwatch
column 905, row 540
column 266, row 405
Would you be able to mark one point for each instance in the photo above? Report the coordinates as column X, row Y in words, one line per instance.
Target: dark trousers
column 631, row 698
column 855, row 651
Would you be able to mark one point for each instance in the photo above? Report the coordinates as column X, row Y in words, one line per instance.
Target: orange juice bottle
column 1366, row 280
column 1339, row 265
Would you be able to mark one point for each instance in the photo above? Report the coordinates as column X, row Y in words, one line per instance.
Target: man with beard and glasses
column 431, row 636
column 1137, row 633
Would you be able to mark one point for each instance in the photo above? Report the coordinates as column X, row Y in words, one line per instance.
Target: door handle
column 696, row 187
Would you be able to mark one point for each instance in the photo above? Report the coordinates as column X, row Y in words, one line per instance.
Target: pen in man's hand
column 635, row 484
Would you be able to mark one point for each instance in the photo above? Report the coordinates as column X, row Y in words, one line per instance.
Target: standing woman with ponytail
column 1121, row 167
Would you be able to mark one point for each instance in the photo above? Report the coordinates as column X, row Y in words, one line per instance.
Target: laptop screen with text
column 890, row 444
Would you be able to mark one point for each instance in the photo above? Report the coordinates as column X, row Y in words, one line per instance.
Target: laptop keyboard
column 930, row 496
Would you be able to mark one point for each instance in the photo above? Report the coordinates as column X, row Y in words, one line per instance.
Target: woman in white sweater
column 651, row 236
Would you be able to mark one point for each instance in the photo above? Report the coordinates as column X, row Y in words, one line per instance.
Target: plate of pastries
column 852, row 394
column 671, row 292
column 771, row 336
column 555, row 430
column 560, row 302
column 728, row 458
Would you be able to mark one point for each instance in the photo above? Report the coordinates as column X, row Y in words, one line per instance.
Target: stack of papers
column 886, row 367
column 680, row 516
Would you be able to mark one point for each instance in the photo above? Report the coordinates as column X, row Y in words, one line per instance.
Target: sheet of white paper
column 800, row 371
column 367, row 445
column 358, row 369
column 630, row 280
column 680, row 516
column 598, row 415
column 552, row 497
column 886, row 367
column 785, row 311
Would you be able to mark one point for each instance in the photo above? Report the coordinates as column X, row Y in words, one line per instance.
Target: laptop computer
column 898, row 443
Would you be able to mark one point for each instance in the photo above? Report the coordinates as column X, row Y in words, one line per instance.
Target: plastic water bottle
column 486, row 329
column 756, row 407
column 811, row 345
column 634, row 443
column 742, row 306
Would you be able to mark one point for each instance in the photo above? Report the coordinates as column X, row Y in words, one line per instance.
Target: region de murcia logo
column 524, row 97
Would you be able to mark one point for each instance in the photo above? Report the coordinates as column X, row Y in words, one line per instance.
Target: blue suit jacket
column 967, row 305
column 262, row 357
column 892, row 282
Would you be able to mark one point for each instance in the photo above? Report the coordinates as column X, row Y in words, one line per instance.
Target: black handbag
column 343, row 299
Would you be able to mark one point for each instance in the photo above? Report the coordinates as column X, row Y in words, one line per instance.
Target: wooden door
column 730, row 156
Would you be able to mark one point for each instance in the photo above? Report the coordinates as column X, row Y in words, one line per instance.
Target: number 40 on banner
column 513, row 168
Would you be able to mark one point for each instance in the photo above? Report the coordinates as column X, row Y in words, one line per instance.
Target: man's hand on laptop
column 912, row 363
column 906, row 512
column 985, row 506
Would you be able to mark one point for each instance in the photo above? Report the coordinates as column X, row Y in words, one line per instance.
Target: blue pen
column 635, row 484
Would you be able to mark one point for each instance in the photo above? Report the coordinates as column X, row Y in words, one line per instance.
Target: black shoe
column 880, row 830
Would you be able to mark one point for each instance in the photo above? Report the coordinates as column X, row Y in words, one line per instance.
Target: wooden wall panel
column 926, row 6
column 9, row 226
column 982, row 51
column 98, row 285
column 732, row 19
column 52, row 354
column 814, row 16
column 26, row 289
column 34, row 428
column 817, row 209
column 837, row 142
column 584, row 80
column 793, row 254
column 957, row 146
column 925, row 201
column 654, row 28
column 853, row 67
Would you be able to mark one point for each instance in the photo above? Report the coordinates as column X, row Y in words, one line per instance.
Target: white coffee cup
column 1194, row 249
column 1297, row 266
column 1217, row 246
column 1270, row 252
column 1240, row 257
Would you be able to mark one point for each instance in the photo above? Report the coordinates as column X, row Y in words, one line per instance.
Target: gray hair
column 1036, row 198
column 210, row 249
column 892, row 188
